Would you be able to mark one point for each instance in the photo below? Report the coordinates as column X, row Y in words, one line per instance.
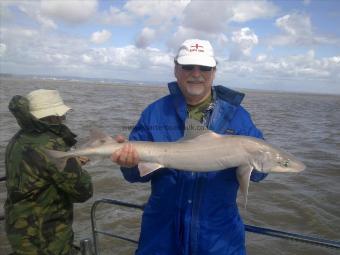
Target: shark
column 200, row 150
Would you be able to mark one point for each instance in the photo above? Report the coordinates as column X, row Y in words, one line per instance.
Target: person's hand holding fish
column 127, row 156
column 83, row 160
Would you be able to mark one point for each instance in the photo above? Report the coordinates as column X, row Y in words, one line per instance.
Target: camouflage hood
column 19, row 107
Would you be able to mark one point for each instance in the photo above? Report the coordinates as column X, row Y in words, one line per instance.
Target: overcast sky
column 290, row 45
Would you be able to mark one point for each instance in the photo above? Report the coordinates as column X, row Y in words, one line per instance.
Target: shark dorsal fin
column 193, row 129
column 97, row 137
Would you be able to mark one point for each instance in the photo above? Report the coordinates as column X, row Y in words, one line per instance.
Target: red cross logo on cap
column 196, row 47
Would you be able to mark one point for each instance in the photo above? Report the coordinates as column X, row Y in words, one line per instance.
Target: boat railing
column 96, row 231
column 91, row 247
column 249, row 228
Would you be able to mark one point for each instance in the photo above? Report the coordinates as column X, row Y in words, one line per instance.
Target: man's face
column 54, row 120
column 194, row 81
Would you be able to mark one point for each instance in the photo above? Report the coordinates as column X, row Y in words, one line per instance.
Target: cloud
column 306, row 2
column 145, row 38
column 100, row 37
column 181, row 35
column 292, row 72
column 32, row 42
column 300, row 67
column 87, row 59
column 156, row 12
column 116, row 17
column 198, row 18
column 46, row 22
column 245, row 39
column 219, row 40
column 128, row 57
column 158, row 17
column 295, row 25
column 33, row 51
column 6, row 13
column 198, row 23
column 36, row 51
column 297, row 29
column 146, row 64
column 189, row 19
column 335, row 60
column 17, row 33
column 73, row 11
column 3, row 49
column 306, row 67
column 32, row 10
column 248, row 10
column 261, row 57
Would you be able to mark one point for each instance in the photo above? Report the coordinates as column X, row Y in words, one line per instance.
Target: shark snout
column 298, row 166
column 289, row 166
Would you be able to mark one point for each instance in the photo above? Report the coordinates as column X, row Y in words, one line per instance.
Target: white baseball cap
column 196, row 52
column 43, row 103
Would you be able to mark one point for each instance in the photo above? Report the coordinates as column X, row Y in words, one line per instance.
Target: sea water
column 306, row 125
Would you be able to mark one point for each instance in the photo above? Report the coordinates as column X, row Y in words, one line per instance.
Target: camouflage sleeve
column 73, row 181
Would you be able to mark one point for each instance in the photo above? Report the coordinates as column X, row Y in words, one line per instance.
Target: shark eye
column 285, row 163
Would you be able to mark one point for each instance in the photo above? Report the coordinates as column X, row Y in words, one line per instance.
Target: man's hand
column 127, row 156
column 82, row 160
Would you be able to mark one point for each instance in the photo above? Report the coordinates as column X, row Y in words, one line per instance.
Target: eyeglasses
column 192, row 67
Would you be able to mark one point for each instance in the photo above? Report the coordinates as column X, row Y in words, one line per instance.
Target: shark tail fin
column 58, row 158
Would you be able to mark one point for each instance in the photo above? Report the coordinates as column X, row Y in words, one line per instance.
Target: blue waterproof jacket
column 191, row 213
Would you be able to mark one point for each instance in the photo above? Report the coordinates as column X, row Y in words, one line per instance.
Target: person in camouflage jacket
column 39, row 204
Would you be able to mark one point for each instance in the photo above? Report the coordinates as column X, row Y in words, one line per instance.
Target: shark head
column 285, row 162
column 272, row 159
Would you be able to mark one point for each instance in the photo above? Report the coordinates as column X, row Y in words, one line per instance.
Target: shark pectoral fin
column 243, row 176
column 146, row 168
